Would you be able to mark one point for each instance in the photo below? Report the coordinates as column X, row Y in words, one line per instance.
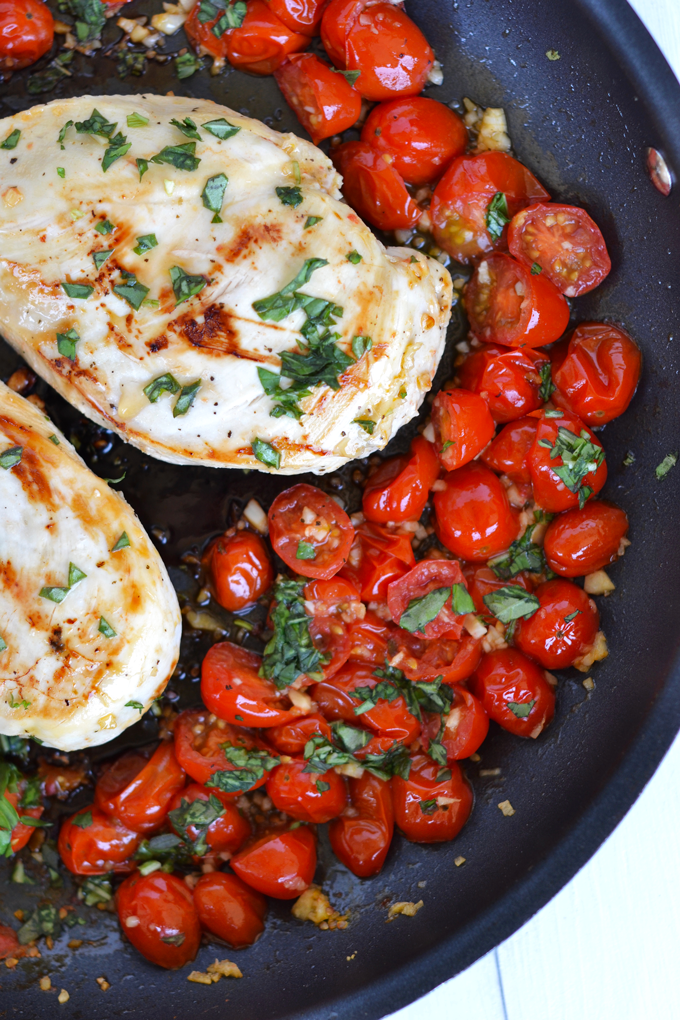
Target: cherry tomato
column 424, row 660
column 562, row 629
column 262, row 42
column 508, row 305
column 374, row 188
column 481, row 580
column 299, row 15
column 461, row 201
column 337, row 597
column 368, row 639
column 199, row 746
column 385, row 557
column 508, row 379
column 158, row 915
column 61, row 780
column 291, row 738
column 514, row 692
column 473, row 517
column 596, row 370
column 26, row 33
column 399, row 489
column 467, row 725
column 508, row 454
column 388, row 718
column 362, row 837
column 329, row 636
column 140, row 799
column 322, row 99
column 462, row 426
column 21, row 833
column 421, row 135
column 91, row 843
column 428, row 811
column 428, row 576
column 241, row 569
column 230, row 909
column 390, row 51
column 334, row 702
column 550, row 492
column 303, row 521
column 201, row 35
column 307, row 796
column 336, row 21
column 564, row 242
column 281, row 864
column 227, row 833
column 232, row 688
column 581, row 541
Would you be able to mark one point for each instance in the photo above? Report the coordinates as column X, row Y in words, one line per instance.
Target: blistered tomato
column 280, row 864
column 323, row 101
column 562, row 629
column 374, row 188
column 596, row 370
column 309, row 531
column 560, row 485
column 262, row 42
column 514, row 692
column 306, row 796
column 136, row 792
column 509, row 379
column 232, row 688
column 230, row 909
column 462, row 426
column 580, row 541
column 508, row 454
column 399, row 489
column 473, row 516
column 361, row 839
column 428, row 576
column 420, row 135
column 200, row 743
column 292, row 737
column 158, row 915
column 428, row 810
column 391, row 53
column 226, row 834
column 91, row 843
column 26, row 33
column 241, row 569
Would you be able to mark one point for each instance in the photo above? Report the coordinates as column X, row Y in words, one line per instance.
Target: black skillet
column 582, row 123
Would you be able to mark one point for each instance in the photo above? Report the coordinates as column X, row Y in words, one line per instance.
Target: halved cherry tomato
column 227, row 833
column 473, row 517
column 428, row 811
column 428, row 576
column 595, row 369
column 388, row 718
column 374, row 189
column 230, row 909
column 421, row 135
column 508, row 305
column 368, row 639
column 564, row 243
column 384, row 557
column 136, row 792
column 550, row 492
column 462, row 426
column 581, row 541
column 91, row 843
column 399, row 489
column 307, row 796
column 232, row 688
column 481, row 580
column 424, row 660
column 300, row 15
column 337, row 597
column 508, row 454
column 21, row 833
column 562, row 629
column 158, row 915
column 466, row 726
column 26, row 33
column 329, row 636
column 336, row 21
column 201, row 35
column 508, row 379
column 303, row 521
column 514, row 692
column 322, row 99
column 281, row 864
column 361, row 837
column 241, row 569
column 461, row 201
column 262, row 42
column 199, row 745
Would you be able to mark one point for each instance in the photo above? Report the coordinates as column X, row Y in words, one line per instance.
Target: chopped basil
column 142, row 166
column 311, row 221
column 662, row 469
column 535, row 269
column 290, row 651
column 100, row 257
column 55, row 72
column 130, row 62
column 105, row 227
column 185, row 399
column 165, row 383
column 423, row 610
column 3, row 644
column 186, row 65
column 136, row 120
column 522, row 555
column 187, row 127
column 66, row 344
column 461, row 600
column 511, row 602
column 180, row 156
column 305, row 551
column 95, row 124
column 580, row 457
column 231, row 18
column 136, row 705
column 547, row 387
column 429, row 807
column 497, row 215
column 249, row 767
column 119, row 146
column 184, row 285
column 208, row 11
column 354, row 257
column 17, row 704
column 53, row 593
column 629, row 459
column 75, row 574
column 213, row 192
column 8, row 458
column 521, row 708
column 81, row 291
column 350, row 76
column 361, row 344
column 43, row 921
column 83, row 819
column 95, row 889
column 280, row 305
column 370, row 696
column 321, row 786
column 61, row 172
column 131, row 290
column 145, row 243
column 323, row 754
column 552, row 54
column 572, row 616
column 221, row 128
column 290, row 196
column 12, row 140
column 367, row 424
column 53, row 439
column 266, row 453
column 122, row 543
column 555, row 413
column 62, row 133
column 105, row 628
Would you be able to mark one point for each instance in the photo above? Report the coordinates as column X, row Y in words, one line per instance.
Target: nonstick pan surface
column 582, row 124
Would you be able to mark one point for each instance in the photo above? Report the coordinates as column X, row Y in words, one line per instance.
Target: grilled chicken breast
column 131, row 270
column 89, row 621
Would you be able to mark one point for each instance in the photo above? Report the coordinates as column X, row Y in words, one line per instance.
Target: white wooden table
column 607, row 947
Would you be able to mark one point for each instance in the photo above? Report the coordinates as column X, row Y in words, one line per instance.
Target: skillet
column 582, row 124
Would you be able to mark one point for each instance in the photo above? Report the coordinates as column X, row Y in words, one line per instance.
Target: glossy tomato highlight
column 514, row 692
column 232, row 688
column 389, row 50
column 141, row 801
column 241, row 569
column 508, row 454
column 462, row 425
column 280, row 864
column 473, row 516
column 262, row 42
column 580, row 541
column 398, row 490
column 158, row 916
column 361, row 839
column 420, row 135
column 586, row 475
column 596, row 370
column 26, row 33
column 307, row 796
column 562, row 629
column 91, row 843
column 428, row 810
column 230, row 909
column 323, row 100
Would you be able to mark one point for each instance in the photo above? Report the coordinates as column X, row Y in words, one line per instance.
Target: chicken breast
column 158, row 255
column 89, row 621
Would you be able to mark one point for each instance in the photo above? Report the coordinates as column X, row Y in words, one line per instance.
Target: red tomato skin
column 546, row 636
column 473, row 517
column 596, row 372
column 287, row 529
column 377, row 571
column 467, row 725
column 323, row 101
column 292, row 737
column 369, row 640
column 507, row 676
column 329, row 635
column 295, row 791
column 281, row 864
column 499, row 313
column 452, row 660
column 336, row 21
column 227, row 833
column 143, row 803
column 427, row 576
column 360, row 840
column 334, row 702
column 164, row 906
column 446, row 822
column 388, row 719
column 374, row 189
column 399, row 489
column 262, row 42
column 579, row 542
column 507, row 378
column 21, row 833
column 460, row 201
column 535, row 235
column 550, row 492
column 241, row 570
column 481, row 580
column 97, row 848
column 299, row 15
column 230, row 909
column 508, row 454
column 390, row 51
column 461, row 419
column 26, row 33
column 421, row 135
column 251, row 700
column 201, row 36
column 198, row 746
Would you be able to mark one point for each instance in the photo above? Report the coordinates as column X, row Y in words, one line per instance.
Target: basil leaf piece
column 62, row 133
column 43, row 921
column 145, row 243
column 547, row 387
column 290, row 651
column 55, row 71
column 221, row 128
column 311, row 221
column 100, row 257
column 522, row 555
column 280, row 305
column 423, row 610
column 105, row 227
column 429, row 807
column 80, row 291
column 187, row 127
column 536, row 270
column 350, row 76
column 266, row 453
column 136, row 120
column 213, row 192
column 53, row 439
column 367, row 424
column 497, row 215
column 119, row 146
column 180, row 156
column 186, row 65
column 61, row 172
column 305, row 551
column 12, row 140
column 105, row 628
column 53, row 593
column 165, row 383
column 3, row 644
column 321, row 786
column 95, row 124
column 131, row 291
column 184, row 285
column 66, row 344
column 192, row 819
column 185, row 399
column 521, row 708
column 136, row 705
column 511, row 602
column 461, row 600
column 8, row 458
column 361, row 344
column 354, row 257
column 75, row 574
column 142, row 166
column 249, row 766
column 208, row 11
column 83, row 819
column 122, row 543
column 290, row 196
column 580, row 457
column 662, row 469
